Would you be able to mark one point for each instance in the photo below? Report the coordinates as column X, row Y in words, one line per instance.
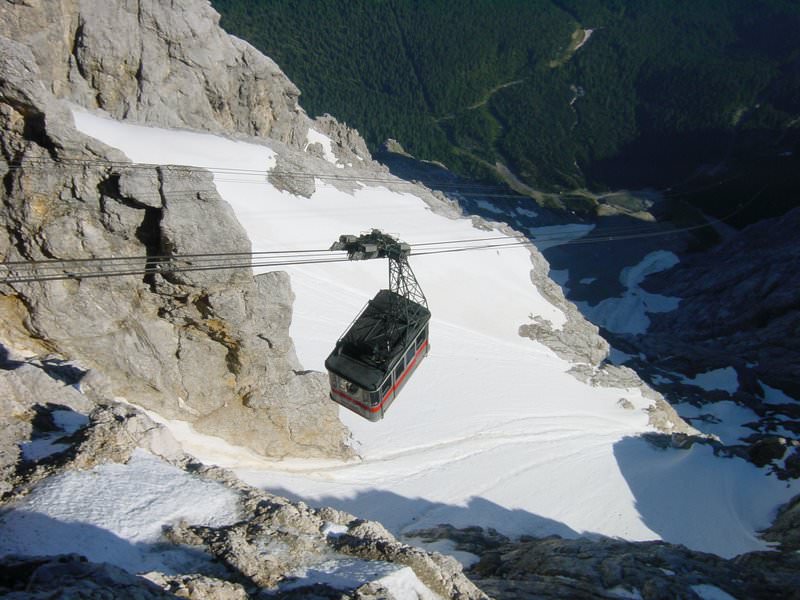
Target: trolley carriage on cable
column 384, row 345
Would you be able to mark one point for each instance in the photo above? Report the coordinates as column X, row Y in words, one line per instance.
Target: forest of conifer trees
column 660, row 91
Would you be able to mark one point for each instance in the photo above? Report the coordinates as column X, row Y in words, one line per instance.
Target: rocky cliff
column 211, row 349
column 208, row 347
column 163, row 63
column 744, row 295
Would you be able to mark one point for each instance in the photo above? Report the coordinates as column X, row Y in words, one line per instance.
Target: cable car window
column 410, row 355
column 374, row 398
column 385, row 387
column 399, row 370
column 352, row 387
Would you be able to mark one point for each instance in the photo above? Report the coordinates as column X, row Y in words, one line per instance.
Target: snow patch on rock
column 628, row 314
column 115, row 513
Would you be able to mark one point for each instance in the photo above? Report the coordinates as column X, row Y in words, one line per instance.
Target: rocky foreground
column 268, row 550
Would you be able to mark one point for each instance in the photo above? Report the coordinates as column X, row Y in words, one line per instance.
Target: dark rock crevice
column 149, row 234
column 77, row 44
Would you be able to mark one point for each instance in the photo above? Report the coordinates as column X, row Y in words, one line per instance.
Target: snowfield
column 491, row 430
column 114, row 513
column 628, row 314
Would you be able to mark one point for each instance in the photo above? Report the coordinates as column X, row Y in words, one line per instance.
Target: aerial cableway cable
column 163, row 269
column 230, row 260
column 279, row 258
column 239, row 175
column 211, row 262
column 27, row 271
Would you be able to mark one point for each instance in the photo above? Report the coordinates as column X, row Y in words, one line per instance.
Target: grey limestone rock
column 159, row 63
column 15, row 420
column 442, row 574
column 114, row 431
column 554, row 567
column 578, row 340
column 71, row 576
column 347, row 145
column 291, row 175
column 30, row 389
column 280, row 538
column 785, row 530
column 198, row 587
column 662, row 416
column 274, row 542
column 47, row 411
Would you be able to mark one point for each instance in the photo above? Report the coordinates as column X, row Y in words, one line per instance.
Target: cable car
column 386, row 342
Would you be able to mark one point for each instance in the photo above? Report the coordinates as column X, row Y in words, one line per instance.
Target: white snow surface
column 114, row 513
column 725, row 379
column 491, row 430
column 707, row 591
column 725, row 419
column 775, row 396
column 350, row 573
column 555, row 235
column 628, row 314
column 526, row 212
column 491, row 207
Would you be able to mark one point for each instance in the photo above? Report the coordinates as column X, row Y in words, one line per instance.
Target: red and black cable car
column 383, row 346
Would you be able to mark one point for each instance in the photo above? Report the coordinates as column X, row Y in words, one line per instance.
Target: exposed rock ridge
column 210, row 348
column 577, row 340
column 553, row 567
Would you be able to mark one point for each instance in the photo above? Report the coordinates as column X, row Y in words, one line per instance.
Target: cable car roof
column 380, row 334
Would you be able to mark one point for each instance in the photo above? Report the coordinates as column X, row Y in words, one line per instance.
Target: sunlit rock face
column 211, row 348
column 161, row 63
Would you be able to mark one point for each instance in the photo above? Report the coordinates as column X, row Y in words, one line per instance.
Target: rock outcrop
column 554, row 567
column 301, row 536
column 159, row 63
column 209, row 348
column 578, row 340
column 71, row 576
